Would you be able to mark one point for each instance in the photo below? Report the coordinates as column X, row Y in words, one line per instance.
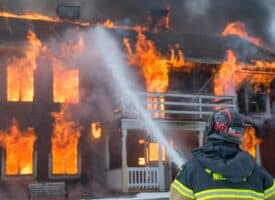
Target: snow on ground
column 141, row 196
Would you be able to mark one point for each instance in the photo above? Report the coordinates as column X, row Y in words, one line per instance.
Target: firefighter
column 220, row 169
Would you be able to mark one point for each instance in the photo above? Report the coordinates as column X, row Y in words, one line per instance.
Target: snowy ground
column 141, row 196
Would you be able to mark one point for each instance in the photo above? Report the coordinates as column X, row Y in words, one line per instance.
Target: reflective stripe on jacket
column 194, row 182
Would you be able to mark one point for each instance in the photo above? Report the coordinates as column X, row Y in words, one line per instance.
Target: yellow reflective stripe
column 183, row 190
column 270, row 191
column 228, row 193
column 183, row 186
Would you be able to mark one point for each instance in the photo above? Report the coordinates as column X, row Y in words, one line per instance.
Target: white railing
column 170, row 105
column 143, row 178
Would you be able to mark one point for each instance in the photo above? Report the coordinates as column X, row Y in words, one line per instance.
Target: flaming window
column 20, row 72
column 65, row 83
column 153, row 152
column 19, row 150
column 96, row 130
column 64, row 154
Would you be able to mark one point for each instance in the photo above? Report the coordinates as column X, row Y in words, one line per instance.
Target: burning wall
column 153, row 64
column 20, row 82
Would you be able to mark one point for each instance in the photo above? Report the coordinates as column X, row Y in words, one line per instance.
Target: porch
column 171, row 112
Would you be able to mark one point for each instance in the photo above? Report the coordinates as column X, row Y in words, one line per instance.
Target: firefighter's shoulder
column 186, row 172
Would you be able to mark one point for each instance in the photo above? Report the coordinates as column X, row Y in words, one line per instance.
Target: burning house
column 60, row 120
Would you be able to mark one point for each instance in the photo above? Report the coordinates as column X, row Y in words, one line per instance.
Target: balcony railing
column 175, row 105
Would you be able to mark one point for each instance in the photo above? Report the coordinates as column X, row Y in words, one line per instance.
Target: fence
column 146, row 178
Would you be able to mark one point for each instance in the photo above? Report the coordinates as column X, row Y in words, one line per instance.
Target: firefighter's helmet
column 227, row 125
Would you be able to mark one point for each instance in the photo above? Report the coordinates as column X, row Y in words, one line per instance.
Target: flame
column 33, row 16
column 19, row 149
column 250, row 141
column 141, row 161
column 66, row 78
column 155, row 67
column 111, row 25
column 225, row 80
column 108, row 23
column 154, row 152
column 20, row 77
column 65, row 84
column 96, row 130
column 239, row 29
column 64, row 140
column 232, row 74
column 141, row 141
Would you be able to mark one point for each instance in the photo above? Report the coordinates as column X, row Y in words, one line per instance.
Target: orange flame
column 20, row 71
column 154, row 152
column 66, row 83
column 232, row 73
column 226, row 80
column 32, row 16
column 111, row 25
column 19, row 150
column 96, row 130
column 250, row 141
column 239, row 29
column 155, row 67
column 66, row 80
column 108, row 23
column 64, row 144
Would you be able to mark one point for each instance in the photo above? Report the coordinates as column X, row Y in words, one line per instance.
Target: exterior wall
column 114, row 178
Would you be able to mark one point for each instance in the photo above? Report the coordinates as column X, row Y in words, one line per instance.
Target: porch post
column 124, row 161
column 267, row 105
column 258, row 154
column 200, row 137
column 161, row 170
column 107, row 153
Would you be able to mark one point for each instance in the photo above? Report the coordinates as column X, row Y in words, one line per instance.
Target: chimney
column 68, row 12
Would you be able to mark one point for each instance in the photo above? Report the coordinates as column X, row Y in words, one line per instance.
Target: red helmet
column 227, row 125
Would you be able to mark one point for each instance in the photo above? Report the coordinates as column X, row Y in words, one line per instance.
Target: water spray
column 113, row 58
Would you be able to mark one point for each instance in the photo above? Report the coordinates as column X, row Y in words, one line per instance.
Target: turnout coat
column 221, row 170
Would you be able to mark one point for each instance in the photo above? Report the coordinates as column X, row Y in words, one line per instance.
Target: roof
column 196, row 47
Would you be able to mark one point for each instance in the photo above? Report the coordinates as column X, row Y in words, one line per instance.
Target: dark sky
column 189, row 16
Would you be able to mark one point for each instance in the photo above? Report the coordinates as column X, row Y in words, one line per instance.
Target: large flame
column 65, row 84
column 250, row 141
column 239, row 29
column 19, row 150
column 20, row 77
column 65, row 138
column 33, row 16
column 226, row 80
column 155, row 67
column 66, row 78
column 154, row 152
column 232, row 73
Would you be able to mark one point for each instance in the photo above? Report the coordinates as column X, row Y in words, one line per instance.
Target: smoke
column 189, row 16
column 270, row 6
column 197, row 8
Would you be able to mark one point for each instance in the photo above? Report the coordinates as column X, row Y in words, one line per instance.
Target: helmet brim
column 224, row 138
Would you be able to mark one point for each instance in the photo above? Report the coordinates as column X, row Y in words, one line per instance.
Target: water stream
column 115, row 62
